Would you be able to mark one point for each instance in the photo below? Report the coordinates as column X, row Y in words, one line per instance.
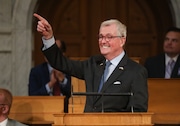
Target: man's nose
column 104, row 39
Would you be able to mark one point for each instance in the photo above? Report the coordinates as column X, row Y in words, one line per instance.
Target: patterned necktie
column 105, row 75
column 56, row 90
column 169, row 68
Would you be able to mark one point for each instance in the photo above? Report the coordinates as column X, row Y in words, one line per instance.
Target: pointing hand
column 43, row 27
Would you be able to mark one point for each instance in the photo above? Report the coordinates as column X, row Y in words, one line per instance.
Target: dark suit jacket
column 12, row 122
column 39, row 77
column 131, row 76
column 156, row 67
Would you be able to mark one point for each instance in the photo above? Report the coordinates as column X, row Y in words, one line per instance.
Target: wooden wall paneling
column 141, row 30
column 77, row 22
column 72, row 27
column 94, row 20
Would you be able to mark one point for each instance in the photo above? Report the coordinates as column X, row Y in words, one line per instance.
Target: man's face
column 172, row 43
column 110, row 44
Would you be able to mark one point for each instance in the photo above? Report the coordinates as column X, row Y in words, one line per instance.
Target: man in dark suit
column 5, row 106
column 157, row 66
column 124, row 75
column 43, row 79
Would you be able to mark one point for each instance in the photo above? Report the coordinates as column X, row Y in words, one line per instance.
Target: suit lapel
column 116, row 73
column 98, row 74
column 176, row 69
column 161, row 66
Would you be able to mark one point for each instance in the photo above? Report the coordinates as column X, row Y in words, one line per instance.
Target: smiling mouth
column 105, row 46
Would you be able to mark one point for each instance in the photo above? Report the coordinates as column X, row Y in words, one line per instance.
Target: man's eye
column 166, row 39
column 109, row 37
column 174, row 40
column 100, row 37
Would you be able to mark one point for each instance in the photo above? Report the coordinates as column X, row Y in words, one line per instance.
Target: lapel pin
column 121, row 68
column 101, row 64
column 117, row 83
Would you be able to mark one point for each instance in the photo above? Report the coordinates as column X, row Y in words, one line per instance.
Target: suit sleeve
column 35, row 84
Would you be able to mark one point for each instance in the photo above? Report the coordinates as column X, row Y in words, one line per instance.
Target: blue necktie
column 104, row 76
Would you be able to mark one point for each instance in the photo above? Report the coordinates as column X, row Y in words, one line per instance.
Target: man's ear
column 5, row 109
column 123, row 41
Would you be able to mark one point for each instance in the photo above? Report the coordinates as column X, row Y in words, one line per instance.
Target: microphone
column 101, row 93
column 132, row 101
column 132, row 109
column 72, row 99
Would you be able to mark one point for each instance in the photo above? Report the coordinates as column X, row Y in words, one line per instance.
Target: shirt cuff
column 48, row 89
column 64, row 81
column 48, row 42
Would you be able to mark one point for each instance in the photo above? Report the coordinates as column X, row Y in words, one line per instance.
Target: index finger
column 38, row 17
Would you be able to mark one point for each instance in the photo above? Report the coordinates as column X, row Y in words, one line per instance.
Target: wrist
column 47, row 37
column 50, row 84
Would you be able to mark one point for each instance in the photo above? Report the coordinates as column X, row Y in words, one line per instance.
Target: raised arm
column 43, row 27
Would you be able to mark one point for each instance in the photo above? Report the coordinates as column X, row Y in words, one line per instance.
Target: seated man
column 44, row 80
column 5, row 106
column 167, row 64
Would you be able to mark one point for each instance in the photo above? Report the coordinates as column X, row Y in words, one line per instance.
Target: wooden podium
column 103, row 119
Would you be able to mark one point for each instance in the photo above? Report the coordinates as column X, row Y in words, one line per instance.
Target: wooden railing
column 164, row 102
column 103, row 119
column 36, row 109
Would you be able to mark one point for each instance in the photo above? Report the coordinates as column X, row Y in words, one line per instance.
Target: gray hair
column 121, row 28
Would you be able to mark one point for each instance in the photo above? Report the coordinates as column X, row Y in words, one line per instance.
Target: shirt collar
column 167, row 58
column 117, row 59
column 4, row 123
